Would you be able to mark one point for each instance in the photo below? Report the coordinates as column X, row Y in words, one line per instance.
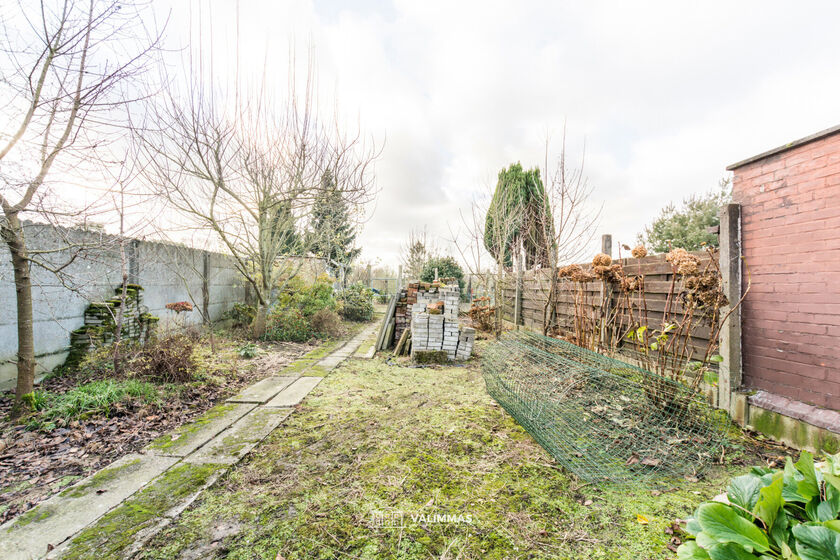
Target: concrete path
column 140, row 493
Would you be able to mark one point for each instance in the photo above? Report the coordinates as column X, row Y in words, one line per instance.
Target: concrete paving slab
column 238, row 440
column 112, row 535
column 294, row 393
column 189, row 437
column 262, row 391
column 331, row 362
column 60, row 517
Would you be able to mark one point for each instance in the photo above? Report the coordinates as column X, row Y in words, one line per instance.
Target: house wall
column 790, row 235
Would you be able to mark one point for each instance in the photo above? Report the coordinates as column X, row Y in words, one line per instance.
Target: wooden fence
column 657, row 275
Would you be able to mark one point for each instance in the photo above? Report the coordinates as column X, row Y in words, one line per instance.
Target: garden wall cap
column 789, row 146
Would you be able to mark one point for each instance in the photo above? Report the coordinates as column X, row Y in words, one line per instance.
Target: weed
column 248, row 351
column 96, row 397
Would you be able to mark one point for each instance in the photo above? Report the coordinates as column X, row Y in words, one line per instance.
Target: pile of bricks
column 402, row 313
column 434, row 320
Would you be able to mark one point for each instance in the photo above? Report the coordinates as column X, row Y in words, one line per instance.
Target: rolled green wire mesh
column 601, row 418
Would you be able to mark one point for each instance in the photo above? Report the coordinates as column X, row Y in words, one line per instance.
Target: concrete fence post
column 729, row 377
column 205, row 287
column 133, row 251
column 606, row 244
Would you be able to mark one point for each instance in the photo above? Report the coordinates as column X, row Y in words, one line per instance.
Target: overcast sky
column 664, row 95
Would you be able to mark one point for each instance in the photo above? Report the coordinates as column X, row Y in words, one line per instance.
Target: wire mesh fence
column 602, row 419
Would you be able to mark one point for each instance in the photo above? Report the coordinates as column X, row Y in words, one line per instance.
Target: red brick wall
column 790, row 230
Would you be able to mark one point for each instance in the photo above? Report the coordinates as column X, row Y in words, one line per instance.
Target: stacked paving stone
column 434, row 320
column 402, row 313
column 466, row 340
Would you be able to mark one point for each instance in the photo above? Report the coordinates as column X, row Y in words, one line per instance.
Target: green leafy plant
column 308, row 298
column 356, row 303
column 248, row 351
column 789, row 514
column 287, row 324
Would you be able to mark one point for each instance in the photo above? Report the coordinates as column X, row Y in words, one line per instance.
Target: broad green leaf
column 792, row 479
column 834, row 525
column 832, row 479
column 654, row 346
column 744, row 491
column 717, row 358
column 704, row 540
column 724, row 525
column 817, row 543
column 829, row 508
column 692, row 527
column 809, row 486
column 770, row 501
column 730, row 551
column 779, row 532
column 691, row 551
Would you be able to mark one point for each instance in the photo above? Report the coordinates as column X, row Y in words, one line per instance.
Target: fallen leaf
column 651, row 462
column 587, row 503
column 641, row 519
column 632, row 460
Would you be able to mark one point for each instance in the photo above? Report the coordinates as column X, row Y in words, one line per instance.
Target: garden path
column 150, row 488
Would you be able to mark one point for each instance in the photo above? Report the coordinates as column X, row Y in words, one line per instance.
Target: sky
column 659, row 96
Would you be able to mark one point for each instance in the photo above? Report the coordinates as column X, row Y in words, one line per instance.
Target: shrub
column 326, row 322
column 94, row 398
column 772, row 513
column 447, row 267
column 356, row 302
column 287, row 324
column 241, row 314
column 307, row 298
column 483, row 315
column 166, row 360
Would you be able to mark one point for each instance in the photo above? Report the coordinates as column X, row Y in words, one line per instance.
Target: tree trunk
column 12, row 234
column 258, row 326
column 121, row 311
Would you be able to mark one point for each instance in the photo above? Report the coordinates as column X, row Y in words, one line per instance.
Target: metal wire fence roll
column 602, row 419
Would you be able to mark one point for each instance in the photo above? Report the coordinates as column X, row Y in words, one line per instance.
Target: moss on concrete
column 182, row 435
column 38, row 513
column 382, row 438
column 115, row 531
column 103, row 477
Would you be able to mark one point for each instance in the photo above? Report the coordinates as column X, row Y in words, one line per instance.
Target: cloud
column 664, row 95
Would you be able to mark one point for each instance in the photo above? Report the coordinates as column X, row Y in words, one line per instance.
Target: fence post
column 606, row 244
column 729, row 376
column 369, row 277
column 605, row 334
column 134, row 261
column 205, row 287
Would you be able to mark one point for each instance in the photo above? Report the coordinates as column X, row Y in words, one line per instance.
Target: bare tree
column 568, row 220
column 67, row 70
column 248, row 173
column 414, row 254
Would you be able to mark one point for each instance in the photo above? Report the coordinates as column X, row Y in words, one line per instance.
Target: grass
column 377, row 439
column 89, row 399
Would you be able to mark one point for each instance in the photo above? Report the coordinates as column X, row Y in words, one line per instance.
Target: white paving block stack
column 433, row 330
column 466, row 340
column 419, row 328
